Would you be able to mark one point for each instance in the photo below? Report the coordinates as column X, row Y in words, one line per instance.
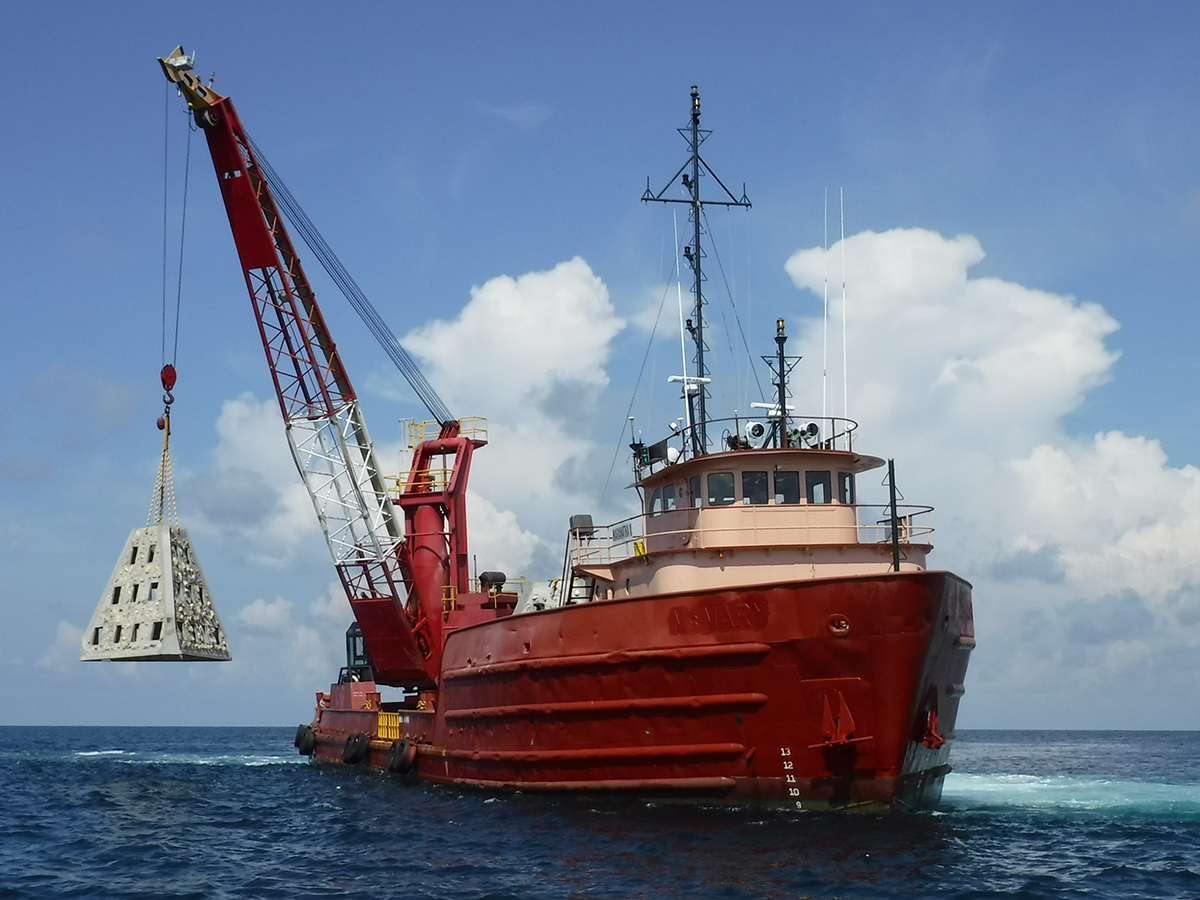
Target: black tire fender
column 305, row 741
column 402, row 756
column 356, row 749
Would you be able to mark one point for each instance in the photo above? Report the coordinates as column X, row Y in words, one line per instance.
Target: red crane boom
column 396, row 586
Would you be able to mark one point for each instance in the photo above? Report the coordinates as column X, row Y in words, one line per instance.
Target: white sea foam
column 215, row 759
column 1065, row 792
column 166, row 758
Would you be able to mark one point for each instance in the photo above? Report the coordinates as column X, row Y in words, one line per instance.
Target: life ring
column 306, row 741
column 356, row 748
column 402, row 756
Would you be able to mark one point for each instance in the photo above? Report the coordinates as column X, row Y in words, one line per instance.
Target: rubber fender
column 402, row 756
column 306, row 741
column 356, row 748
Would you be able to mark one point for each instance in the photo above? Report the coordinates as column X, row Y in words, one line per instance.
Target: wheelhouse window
column 846, row 487
column 694, row 490
column 787, row 487
column 720, row 488
column 754, row 488
column 668, row 497
column 656, row 502
column 816, row 485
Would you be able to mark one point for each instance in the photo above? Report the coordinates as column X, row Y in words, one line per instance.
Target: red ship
column 753, row 636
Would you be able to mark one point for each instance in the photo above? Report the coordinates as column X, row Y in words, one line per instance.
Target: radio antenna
column 825, row 318
column 845, row 385
column 689, row 175
column 687, row 397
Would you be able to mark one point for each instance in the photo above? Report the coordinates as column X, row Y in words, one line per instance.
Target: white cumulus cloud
column 274, row 617
column 530, row 354
column 252, row 491
column 64, row 652
column 1084, row 552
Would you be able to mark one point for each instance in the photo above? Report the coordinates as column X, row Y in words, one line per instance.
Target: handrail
column 831, row 433
column 417, row 432
column 433, row 480
column 616, row 542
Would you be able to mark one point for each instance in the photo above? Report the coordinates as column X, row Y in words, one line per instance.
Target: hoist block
column 156, row 605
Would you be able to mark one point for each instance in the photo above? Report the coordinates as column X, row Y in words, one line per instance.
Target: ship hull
column 828, row 693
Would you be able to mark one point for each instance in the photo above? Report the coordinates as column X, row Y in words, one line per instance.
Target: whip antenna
column 845, row 385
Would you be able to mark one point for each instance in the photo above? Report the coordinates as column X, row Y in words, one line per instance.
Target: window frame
column 847, row 489
column 708, row 483
column 812, row 480
column 765, row 488
column 776, row 493
column 669, row 496
column 654, row 506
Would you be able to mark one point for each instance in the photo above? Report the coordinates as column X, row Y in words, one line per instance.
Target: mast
column 689, row 176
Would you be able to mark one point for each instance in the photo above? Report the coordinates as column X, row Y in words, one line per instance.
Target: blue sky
column 442, row 147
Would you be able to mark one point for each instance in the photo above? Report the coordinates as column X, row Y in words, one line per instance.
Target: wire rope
column 166, row 171
column 304, row 226
column 732, row 305
column 637, row 384
column 187, row 169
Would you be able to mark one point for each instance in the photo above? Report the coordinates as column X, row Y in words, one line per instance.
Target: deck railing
column 871, row 524
column 804, row 432
column 416, row 432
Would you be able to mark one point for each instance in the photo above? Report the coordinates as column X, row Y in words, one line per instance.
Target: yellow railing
column 512, row 585
column 388, row 728
column 474, row 427
column 432, row 480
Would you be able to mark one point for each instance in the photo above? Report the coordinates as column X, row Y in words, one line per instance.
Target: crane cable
column 187, row 165
column 733, row 306
column 162, row 502
column 295, row 215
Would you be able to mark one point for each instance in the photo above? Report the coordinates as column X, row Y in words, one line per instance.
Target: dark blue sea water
column 210, row 812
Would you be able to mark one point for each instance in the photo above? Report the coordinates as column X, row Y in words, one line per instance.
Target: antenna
column 687, row 397
column 845, row 386
column 695, row 136
column 781, row 366
column 825, row 318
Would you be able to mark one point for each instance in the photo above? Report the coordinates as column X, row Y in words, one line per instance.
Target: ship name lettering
column 712, row 616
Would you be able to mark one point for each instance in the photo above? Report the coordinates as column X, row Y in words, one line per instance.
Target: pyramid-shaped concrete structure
column 156, row 605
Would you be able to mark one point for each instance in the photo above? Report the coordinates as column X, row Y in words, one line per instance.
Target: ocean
column 236, row 813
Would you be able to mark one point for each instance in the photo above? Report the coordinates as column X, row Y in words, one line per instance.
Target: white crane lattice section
column 335, row 459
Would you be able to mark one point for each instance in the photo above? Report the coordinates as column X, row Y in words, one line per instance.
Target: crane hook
column 167, row 376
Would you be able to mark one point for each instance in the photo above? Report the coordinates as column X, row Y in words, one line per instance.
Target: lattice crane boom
column 324, row 424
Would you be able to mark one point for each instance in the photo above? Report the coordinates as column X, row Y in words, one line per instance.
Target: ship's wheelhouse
column 756, row 478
